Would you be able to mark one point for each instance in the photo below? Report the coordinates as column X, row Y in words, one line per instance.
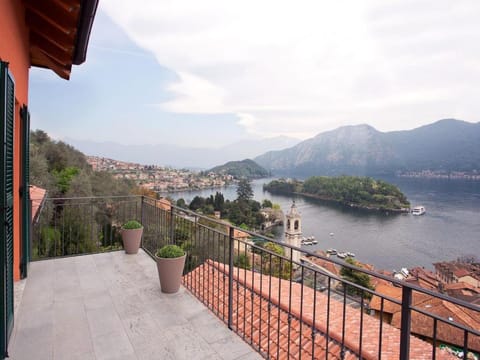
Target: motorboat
column 332, row 251
column 350, row 254
column 418, row 210
column 342, row 255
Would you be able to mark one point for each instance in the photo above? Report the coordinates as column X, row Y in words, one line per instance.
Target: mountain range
column 446, row 145
column 182, row 157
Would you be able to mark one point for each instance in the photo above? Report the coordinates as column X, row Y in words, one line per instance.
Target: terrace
column 108, row 305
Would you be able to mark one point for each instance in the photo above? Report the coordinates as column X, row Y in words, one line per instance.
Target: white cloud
column 298, row 68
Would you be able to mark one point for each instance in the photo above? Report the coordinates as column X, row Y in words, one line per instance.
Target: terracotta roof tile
column 37, row 195
column 422, row 324
column 279, row 335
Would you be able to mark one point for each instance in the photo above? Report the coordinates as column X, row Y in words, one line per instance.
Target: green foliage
column 356, row 277
column 282, row 186
column 219, row 201
column 244, row 190
column 197, row 203
column 64, row 177
column 181, row 203
column 241, row 169
column 64, row 171
column 351, row 190
column 170, row 251
column 131, row 225
column 275, row 265
column 240, row 212
column 242, row 261
column 267, row 204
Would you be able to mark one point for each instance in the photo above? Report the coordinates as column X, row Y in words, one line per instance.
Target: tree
column 267, row 204
column 197, row 203
column 181, row 203
column 275, row 265
column 242, row 261
column 356, row 277
column 219, row 201
column 244, row 190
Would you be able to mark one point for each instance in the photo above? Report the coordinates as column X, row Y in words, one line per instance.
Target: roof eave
column 88, row 10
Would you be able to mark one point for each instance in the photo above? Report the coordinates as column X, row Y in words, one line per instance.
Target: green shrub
column 170, row 251
column 132, row 224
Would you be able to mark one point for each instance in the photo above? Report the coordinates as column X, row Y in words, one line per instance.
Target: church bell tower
column 293, row 232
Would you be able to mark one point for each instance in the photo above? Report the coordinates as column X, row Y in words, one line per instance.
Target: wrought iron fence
column 283, row 308
column 75, row 226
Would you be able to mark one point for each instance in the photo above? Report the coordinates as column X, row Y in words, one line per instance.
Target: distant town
column 157, row 178
column 437, row 174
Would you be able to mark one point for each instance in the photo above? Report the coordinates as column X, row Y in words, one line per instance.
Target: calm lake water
column 450, row 228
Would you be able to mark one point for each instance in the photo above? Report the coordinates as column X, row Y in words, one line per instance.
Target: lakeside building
column 455, row 272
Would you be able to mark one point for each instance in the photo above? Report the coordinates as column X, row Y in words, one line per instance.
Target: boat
column 342, row 255
column 418, row 210
column 350, row 254
column 307, row 243
column 332, row 251
column 314, row 242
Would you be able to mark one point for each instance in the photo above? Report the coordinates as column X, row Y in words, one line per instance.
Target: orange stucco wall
column 14, row 50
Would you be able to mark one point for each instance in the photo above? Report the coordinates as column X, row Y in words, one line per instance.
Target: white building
column 293, row 232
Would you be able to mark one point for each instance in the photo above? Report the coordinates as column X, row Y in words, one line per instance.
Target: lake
column 450, row 228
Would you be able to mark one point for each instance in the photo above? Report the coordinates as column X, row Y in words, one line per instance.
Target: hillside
column 241, row 169
column 64, row 171
column 447, row 145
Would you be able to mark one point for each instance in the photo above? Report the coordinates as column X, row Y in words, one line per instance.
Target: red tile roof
column 280, row 336
column 36, row 196
column 422, row 324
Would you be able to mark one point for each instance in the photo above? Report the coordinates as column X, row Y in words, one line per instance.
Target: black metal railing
column 286, row 302
column 75, row 226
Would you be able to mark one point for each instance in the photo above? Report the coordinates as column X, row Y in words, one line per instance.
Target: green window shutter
column 25, row 192
column 7, row 114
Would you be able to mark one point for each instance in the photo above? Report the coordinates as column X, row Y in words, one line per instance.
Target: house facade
column 50, row 34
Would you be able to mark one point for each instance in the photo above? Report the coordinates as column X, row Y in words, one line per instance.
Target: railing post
column 142, row 215
column 172, row 225
column 230, row 277
column 142, row 218
column 405, row 323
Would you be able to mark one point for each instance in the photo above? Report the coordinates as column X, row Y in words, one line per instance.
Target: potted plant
column 132, row 235
column 170, row 262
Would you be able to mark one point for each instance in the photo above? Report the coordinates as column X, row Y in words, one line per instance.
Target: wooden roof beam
column 54, row 12
column 40, row 25
column 43, row 60
column 61, row 55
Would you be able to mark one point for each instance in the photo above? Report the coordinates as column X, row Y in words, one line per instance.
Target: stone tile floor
column 109, row 306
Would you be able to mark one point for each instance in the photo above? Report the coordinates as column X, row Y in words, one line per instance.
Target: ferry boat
column 418, row 210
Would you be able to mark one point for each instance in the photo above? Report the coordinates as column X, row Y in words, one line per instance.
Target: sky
column 209, row 73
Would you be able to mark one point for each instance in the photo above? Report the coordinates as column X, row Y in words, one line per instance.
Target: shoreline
column 354, row 205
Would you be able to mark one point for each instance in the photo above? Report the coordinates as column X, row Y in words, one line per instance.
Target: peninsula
column 353, row 191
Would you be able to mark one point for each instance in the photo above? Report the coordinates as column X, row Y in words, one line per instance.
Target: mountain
column 182, row 157
column 241, row 169
column 450, row 145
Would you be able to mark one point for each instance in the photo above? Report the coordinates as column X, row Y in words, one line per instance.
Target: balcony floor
column 109, row 306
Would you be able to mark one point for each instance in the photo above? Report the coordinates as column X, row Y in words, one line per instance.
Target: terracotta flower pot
column 170, row 273
column 131, row 240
